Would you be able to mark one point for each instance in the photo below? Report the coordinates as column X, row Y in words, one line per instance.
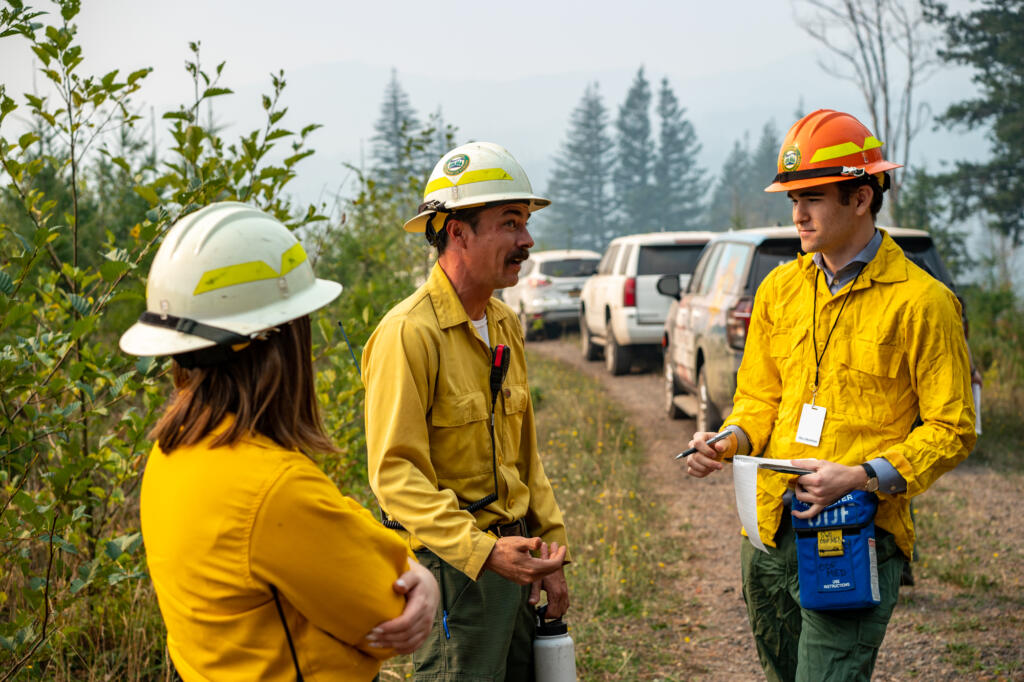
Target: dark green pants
column 813, row 646
column 491, row 626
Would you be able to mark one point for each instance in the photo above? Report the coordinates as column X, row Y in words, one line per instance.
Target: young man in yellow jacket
column 452, row 454
column 848, row 345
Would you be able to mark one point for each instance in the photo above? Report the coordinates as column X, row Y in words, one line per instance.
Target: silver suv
column 548, row 293
column 706, row 327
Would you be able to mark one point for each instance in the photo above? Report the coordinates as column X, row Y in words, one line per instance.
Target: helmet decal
column 456, row 164
column 790, row 157
column 482, row 175
column 845, row 149
column 252, row 271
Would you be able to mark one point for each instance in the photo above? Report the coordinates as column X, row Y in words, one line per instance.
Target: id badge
column 812, row 420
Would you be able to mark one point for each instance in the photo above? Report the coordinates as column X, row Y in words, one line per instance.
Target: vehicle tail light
column 629, row 292
column 738, row 323
column 537, row 282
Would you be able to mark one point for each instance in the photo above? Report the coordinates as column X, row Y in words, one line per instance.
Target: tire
column 616, row 357
column 708, row 417
column 671, row 391
column 591, row 351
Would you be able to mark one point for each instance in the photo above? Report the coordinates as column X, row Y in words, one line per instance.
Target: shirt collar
column 448, row 306
column 864, row 256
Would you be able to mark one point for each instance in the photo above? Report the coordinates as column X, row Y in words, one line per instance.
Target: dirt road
column 935, row 622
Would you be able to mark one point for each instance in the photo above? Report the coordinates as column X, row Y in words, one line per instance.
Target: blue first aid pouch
column 836, row 556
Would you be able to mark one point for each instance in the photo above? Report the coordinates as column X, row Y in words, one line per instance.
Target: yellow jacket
column 222, row 525
column 428, row 403
column 898, row 351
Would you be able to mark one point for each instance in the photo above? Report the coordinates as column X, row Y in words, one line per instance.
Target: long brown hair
column 269, row 386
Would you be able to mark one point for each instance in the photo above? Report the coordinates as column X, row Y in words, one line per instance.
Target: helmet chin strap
column 227, row 342
column 430, row 233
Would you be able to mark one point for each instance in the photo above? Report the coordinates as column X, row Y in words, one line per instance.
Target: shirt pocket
column 460, row 442
column 868, row 379
column 516, row 399
column 784, row 348
column 458, row 409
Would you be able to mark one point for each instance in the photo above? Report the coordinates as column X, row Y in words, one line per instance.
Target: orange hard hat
column 827, row 146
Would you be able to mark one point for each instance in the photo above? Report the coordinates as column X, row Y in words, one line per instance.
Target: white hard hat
column 472, row 175
column 222, row 275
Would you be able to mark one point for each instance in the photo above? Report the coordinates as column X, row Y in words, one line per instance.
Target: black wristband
column 872, row 476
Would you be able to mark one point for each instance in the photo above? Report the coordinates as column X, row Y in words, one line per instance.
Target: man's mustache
column 518, row 254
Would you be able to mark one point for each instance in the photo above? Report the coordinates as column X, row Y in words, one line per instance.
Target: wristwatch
column 871, row 485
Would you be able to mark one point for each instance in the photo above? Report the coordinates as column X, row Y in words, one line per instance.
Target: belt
column 516, row 528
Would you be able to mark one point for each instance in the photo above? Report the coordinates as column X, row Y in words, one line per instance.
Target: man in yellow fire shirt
column 848, row 346
column 452, row 455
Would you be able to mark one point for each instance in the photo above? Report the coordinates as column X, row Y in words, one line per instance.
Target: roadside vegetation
column 85, row 196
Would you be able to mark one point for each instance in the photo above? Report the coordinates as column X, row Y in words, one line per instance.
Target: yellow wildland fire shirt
column 428, row 404
column 898, row 351
column 222, row 525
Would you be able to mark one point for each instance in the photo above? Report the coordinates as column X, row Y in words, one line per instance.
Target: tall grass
column 618, row 573
column 997, row 346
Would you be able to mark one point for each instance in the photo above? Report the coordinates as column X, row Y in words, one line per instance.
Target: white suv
column 549, row 287
column 620, row 307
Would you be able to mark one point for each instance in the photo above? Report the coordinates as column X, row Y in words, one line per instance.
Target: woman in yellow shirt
column 262, row 568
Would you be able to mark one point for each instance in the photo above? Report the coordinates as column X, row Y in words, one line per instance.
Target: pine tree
column 767, row 208
column 635, row 159
column 579, row 188
column 679, row 183
column 395, row 130
column 729, row 199
column 739, row 199
column 989, row 38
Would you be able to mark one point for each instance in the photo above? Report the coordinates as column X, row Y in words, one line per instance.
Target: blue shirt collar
column 846, row 273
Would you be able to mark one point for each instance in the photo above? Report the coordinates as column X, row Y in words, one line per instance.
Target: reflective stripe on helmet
column 469, row 177
column 845, row 149
column 253, row 271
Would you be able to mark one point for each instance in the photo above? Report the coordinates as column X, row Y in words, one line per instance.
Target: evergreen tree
column 395, row 129
column 635, row 159
column 679, row 183
column 767, row 208
column 729, row 199
column 579, row 187
column 739, row 199
column 990, row 39
column 926, row 205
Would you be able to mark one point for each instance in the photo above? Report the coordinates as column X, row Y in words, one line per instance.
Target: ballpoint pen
column 714, row 439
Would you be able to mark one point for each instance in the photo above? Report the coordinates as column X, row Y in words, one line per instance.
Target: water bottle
column 554, row 655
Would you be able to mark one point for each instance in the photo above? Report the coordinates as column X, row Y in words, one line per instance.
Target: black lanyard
column 814, row 324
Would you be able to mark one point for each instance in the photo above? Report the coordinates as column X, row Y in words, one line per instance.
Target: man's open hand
column 511, row 558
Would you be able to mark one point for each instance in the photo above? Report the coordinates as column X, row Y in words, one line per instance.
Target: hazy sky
column 509, row 73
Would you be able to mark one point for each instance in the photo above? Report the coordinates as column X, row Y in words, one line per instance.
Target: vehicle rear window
column 769, row 255
column 922, row 252
column 668, row 259
column 569, row 267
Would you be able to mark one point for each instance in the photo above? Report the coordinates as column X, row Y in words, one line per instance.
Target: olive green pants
column 491, row 627
column 813, row 646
